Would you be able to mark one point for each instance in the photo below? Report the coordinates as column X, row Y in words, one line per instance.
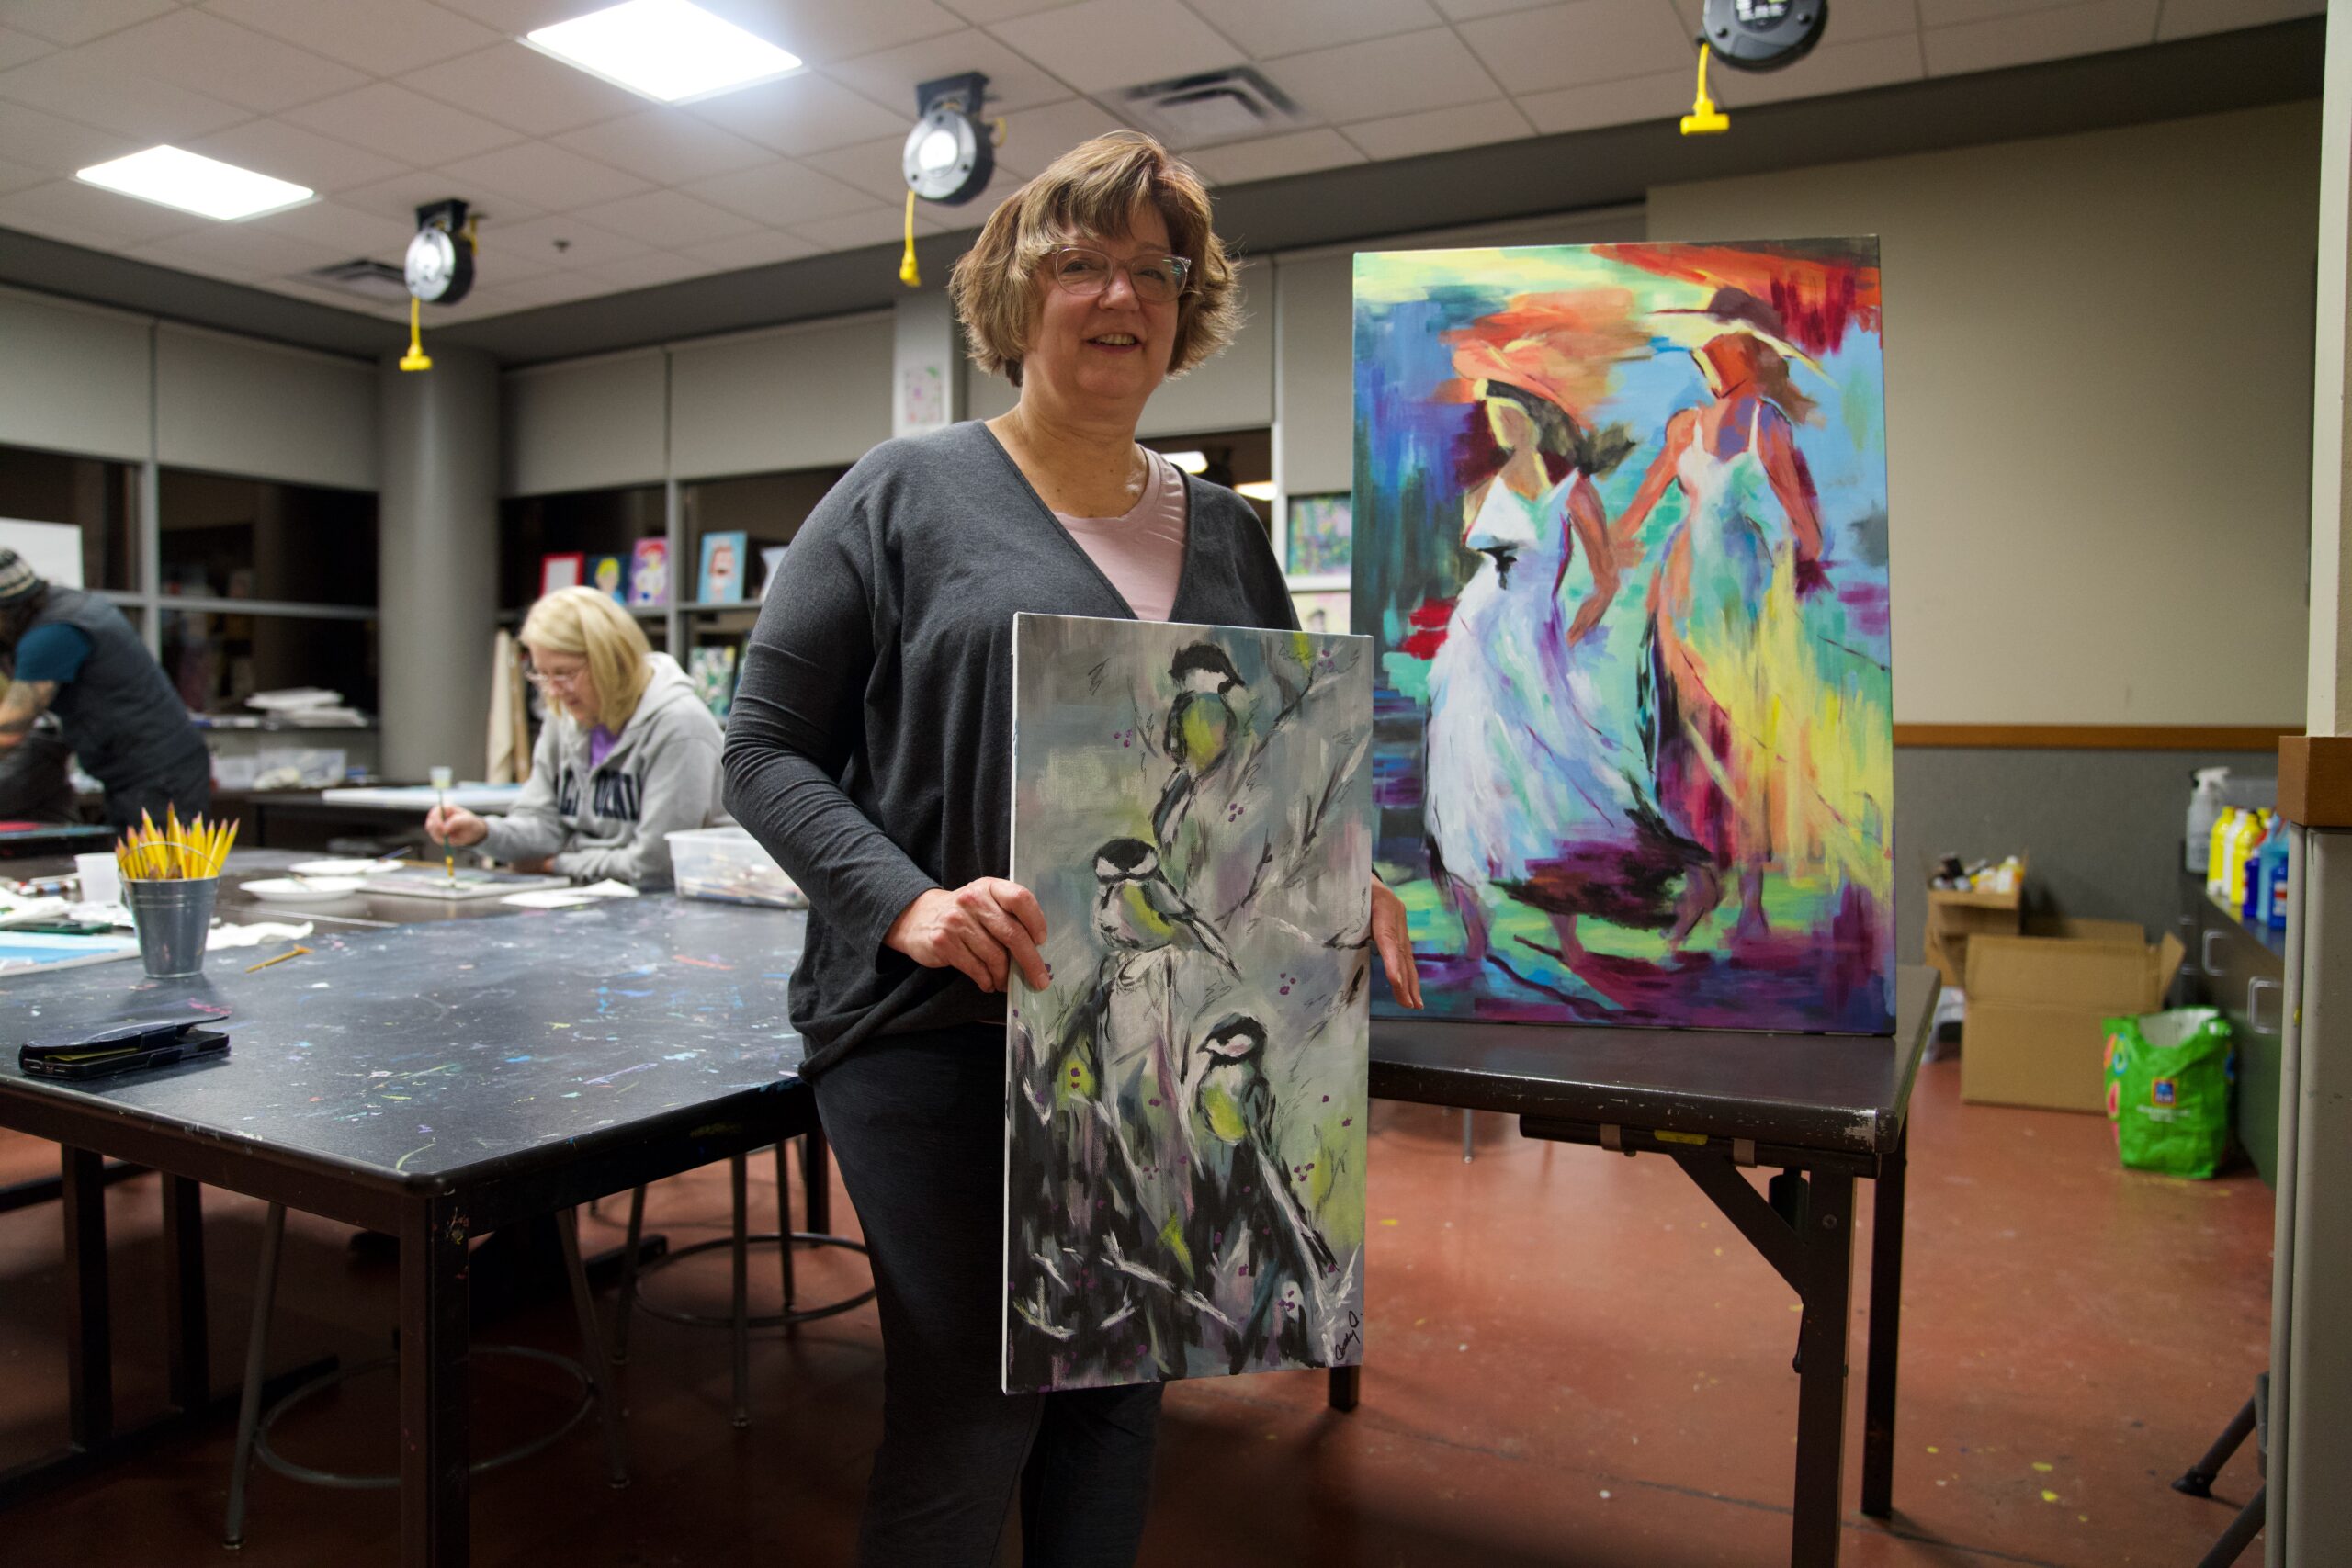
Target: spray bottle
column 2204, row 808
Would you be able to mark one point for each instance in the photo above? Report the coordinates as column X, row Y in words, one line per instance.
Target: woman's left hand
column 1391, row 935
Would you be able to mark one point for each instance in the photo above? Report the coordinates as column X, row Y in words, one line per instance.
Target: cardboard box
column 1953, row 917
column 2035, row 1003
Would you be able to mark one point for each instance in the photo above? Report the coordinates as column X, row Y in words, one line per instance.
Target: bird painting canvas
column 1185, row 1104
column 1621, row 539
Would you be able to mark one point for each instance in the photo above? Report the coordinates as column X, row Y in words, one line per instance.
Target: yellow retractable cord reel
column 440, row 269
column 1750, row 35
column 950, row 155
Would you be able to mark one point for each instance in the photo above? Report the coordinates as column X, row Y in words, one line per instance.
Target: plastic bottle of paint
column 2275, row 873
column 2204, row 808
column 2252, row 826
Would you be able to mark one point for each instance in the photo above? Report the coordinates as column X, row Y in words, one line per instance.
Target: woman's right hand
column 455, row 825
column 981, row 928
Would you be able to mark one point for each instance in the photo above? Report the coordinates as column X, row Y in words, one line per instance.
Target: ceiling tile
column 517, row 85
column 665, row 145
column 382, row 38
column 548, row 288
column 344, row 230
column 1631, row 100
column 1102, row 44
column 871, row 166
column 1465, row 10
column 1293, row 27
column 516, row 17
column 16, row 48
column 2053, row 34
column 1588, row 40
column 1238, row 162
column 344, row 299
column 824, row 31
column 1034, row 138
column 2194, row 18
column 253, row 253
column 20, row 176
column 806, row 113
column 79, row 21
column 563, row 243
column 890, row 76
column 59, row 146
column 1440, row 131
column 400, row 196
column 1848, row 20
column 670, row 218
column 980, row 13
column 118, row 220
column 401, row 124
column 544, row 175
column 1393, row 75
column 782, row 194
column 290, row 153
column 70, row 84
column 762, row 248
column 1832, row 68
column 882, row 225
column 1951, row 13
column 650, row 270
column 195, row 50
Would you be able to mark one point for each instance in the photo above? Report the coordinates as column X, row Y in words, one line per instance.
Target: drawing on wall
column 1318, row 543
column 1622, row 547
column 1185, row 1116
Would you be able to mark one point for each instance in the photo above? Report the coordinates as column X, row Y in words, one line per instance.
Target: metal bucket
column 174, row 919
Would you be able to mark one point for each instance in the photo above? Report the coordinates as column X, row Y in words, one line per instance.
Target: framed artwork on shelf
column 649, row 573
column 609, row 575
column 558, row 571
column 771, row 562
column 1316, row 548
column 1323, row 612
column 722, row 569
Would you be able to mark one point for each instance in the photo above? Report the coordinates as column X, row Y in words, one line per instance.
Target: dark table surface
column 353, row 910
column 1838, row 1091
column 436, row 1053
column 24, row 840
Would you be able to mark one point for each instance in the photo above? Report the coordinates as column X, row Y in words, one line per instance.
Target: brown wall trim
column 2316, row 780
column 2095, row 736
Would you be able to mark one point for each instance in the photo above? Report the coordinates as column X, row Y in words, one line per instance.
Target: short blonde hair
column 1095, row 190
column 583, row 622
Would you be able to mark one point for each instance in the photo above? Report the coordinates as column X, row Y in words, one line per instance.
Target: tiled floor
column 1573, row 1360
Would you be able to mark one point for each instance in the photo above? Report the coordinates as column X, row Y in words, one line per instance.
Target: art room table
column 432, row 1081
column 1820, row 1110
column 21, row 839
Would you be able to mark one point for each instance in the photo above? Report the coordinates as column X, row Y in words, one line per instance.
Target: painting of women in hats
column 1621, row 542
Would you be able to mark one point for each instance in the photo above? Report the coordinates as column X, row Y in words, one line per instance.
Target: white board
column 52, row 549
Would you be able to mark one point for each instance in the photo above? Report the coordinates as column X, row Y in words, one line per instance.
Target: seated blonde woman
column 628, row 753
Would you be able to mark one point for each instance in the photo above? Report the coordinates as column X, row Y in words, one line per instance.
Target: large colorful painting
column 1185, row 1111
column 1620, row 541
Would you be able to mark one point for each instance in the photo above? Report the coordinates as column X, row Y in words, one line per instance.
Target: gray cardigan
column 870, row 746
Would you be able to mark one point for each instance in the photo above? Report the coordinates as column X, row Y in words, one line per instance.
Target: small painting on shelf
column 1322, row 613
column 722, row 569
column 609, row 575
column 1319, row 531
column 558, row 571
column 649, row 573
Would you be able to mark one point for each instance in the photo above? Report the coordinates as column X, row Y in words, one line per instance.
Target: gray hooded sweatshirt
column 660, row 776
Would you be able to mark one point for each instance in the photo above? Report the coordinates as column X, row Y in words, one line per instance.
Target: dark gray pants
column 918, row 1123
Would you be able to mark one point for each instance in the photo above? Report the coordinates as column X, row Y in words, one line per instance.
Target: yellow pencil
column 290, row 952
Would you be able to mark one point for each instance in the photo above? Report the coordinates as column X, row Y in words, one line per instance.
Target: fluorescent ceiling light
column 1256, row 490
column 667, row 49
column 195, row 184
column 1190, row 462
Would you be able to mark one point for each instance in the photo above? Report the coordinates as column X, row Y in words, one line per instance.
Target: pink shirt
column 1143, row 552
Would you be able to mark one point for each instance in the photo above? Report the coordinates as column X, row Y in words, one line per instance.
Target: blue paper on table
column 22, row 950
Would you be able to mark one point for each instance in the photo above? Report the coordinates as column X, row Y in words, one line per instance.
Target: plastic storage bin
column 727, row 865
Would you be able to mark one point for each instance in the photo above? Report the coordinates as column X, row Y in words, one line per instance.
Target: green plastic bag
column 2168, row 1078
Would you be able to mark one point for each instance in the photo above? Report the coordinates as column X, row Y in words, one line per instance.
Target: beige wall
column 2099, row 410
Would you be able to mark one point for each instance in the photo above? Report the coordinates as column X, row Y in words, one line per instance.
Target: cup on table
column 101, row 878
column 174, row 922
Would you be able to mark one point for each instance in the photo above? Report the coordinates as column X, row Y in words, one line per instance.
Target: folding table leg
column 816, row 1182
column 89, row 1328
column 1825, row 1261
column 1886, row 1332
column 436, row 1483
column 187, row 1331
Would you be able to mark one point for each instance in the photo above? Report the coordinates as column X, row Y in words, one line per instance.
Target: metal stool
column 739, row 1319
column 2198, row 1480
column 254, row 1423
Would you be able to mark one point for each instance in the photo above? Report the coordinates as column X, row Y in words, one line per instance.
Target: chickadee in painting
column 1136, row 911
column 1199, row 733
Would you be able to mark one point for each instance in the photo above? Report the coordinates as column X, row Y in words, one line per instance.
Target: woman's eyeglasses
column 549, row 680
column 1085, row 272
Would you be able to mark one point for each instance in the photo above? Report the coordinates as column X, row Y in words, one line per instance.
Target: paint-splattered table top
column 433, row 1054
column 1841, row 1092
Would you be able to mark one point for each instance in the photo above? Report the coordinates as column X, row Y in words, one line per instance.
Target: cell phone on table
column 126, row 1048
